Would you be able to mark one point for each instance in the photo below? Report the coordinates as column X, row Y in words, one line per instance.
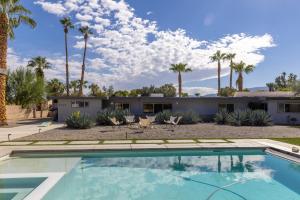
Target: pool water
column 164, row 175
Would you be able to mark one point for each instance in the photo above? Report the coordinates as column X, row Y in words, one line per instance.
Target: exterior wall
column 281, row 117
column 198, row 105
column 16, row 112
column 65, row 109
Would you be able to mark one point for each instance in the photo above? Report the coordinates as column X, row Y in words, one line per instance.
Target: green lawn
column 295, row 141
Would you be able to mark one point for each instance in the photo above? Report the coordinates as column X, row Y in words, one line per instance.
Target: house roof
column 277, row 94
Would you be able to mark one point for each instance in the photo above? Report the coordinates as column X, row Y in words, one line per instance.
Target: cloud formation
column 128, row 49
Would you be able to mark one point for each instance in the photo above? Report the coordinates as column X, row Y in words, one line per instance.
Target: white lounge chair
column 170, row 121
column 130, row 119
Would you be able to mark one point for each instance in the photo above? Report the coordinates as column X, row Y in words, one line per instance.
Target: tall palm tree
column 55, row 87
column 75, row 85
column 12, row 14
column 86, row 32
column 218, row 57
column 67, row 24
column 180, row 68
column 241, row 68
column 39, row 64
column 230, row 57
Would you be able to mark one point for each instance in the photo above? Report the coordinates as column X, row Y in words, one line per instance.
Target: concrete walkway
column 25, row 130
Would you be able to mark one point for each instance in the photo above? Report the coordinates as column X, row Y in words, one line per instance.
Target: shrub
column 189, row 117
column 163, row 116
column 259, row 118
column 78, row 121
column 239, row 118
column 103, row 116
column 221, row 117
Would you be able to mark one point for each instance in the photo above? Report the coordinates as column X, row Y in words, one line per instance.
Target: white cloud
column 132, row 51
column 54, row 8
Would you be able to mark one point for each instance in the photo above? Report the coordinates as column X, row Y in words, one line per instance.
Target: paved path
column 25, row 130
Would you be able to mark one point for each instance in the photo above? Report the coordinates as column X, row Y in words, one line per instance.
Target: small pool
column 164, row 175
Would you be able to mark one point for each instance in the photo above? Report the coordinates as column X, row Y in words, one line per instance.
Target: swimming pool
column 184, row 174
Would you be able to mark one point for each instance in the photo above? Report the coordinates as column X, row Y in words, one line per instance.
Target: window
column 227, row 107
column 289, row 108
column 258, row 106
column 156, row 108
column 148, row 108
column 79, row 104
column 121, row 106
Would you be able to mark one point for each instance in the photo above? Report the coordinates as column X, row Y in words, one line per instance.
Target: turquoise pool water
column 182, row 175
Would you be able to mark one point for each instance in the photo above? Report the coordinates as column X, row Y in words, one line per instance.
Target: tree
column 86, row 32
column 108, row 91
column 180, row 68
column 168, row 90
column 296, row 87
column 271, row 87
column 55, row 88
column 75, row 85
column 94, row 89
column 230, row 57
column 241, row 68
column 218, row 57
column 67, row 24
column 39, row 64
column 227, row 92
column 26, row 89
column 12, row 14
column 121, row 93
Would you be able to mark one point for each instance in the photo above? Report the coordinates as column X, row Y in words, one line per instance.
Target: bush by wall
column 78, row 121
column 244, row 118
column 221, row 117
column 161, row 117
column 103, row 116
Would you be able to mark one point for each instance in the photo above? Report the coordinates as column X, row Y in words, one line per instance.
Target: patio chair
column 130, row 120
column 170, row 121
column 115, row 122
column 177, row 121
column 151, row 118
column 144, row 123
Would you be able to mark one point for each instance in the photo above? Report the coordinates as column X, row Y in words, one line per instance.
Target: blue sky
column 264, row 32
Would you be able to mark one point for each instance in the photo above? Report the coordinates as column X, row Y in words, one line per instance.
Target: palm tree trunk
column 219, row 77
column 231, row 72
column 83, row 69
column 3, row 57
column 179, row 84
column 67, row 64
column 240, row 83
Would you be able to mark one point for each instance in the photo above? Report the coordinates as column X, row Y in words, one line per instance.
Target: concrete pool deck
column 8, row 148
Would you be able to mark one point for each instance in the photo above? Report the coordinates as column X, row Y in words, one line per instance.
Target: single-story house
column 284, row 107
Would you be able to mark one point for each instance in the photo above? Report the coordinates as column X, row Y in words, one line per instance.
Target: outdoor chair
column 170, row 121
column 115, row 122
column 144, row 123
column 130, row 120
column 177, row 121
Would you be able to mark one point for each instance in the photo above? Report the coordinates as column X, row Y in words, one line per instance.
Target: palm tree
column 86, row 31
column 218, row 57
column 67, row 24
column 241, row 68
column 12, row 14
column 55, row 87
column 75, row 85
column 230, row 57
column 39, row 64
column 94, row 89
column 180, row 68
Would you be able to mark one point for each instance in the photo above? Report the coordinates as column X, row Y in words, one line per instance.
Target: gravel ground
column 202, row 130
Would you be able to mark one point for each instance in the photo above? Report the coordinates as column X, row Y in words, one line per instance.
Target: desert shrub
column 221, row 117
column 78, row 121
column 207, row 118
column 259, row 118
column 239, row 118
column 189, row 117
column 103, row 116
column 163, row 116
